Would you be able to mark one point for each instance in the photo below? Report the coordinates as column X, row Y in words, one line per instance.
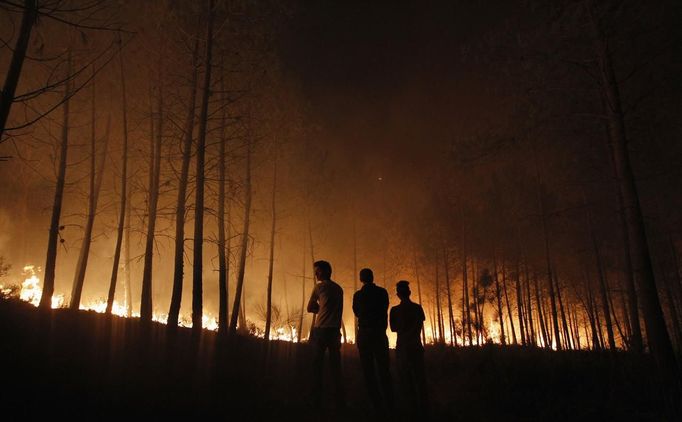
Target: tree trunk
column 602, row 277
column 529, row 311
column 451, row 317
column 223, row 244
column 548, row 256
column 268, row 315
column 303, row 281
column 356, row 275
column 636, row 343
column 498, row 296
column 657, row 333
column 614, row 314
column 419, row 293
column 519, row 303
column 672, row 308
column 676, row 266
column 29, row 17
column 541, row 318
column 564, row 322
column 198, row 263
column 124, row 187
column 466, row 317
column 52, row 242
column 245, row 240
column 146, row 309
column 312, row 260
column 506, row 298
column 180, row 209
column 126, row 253
column 96, row 175
column 439, row 314
column 590, row 313
column 550, row 283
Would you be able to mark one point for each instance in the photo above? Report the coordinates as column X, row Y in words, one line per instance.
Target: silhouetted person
column 407, row 319
column 370, row 306
column 326, row 301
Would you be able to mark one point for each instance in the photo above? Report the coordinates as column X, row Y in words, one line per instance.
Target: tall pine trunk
column 657, row 333
column 126, row 258
column 466, row 310
column 268, row 314
column 181, row 207
column 636, row 342
column 124, row 186
column 562, row 312
column 95, row 176
column 146, row 307
column 519, row 303
column 439, row 314
column 541, row 317
column 498, row 296
column 245, row 241
column 9, row 88
column 223, row 244
column 602, row 276
column 506, row 298
column 52, row 242
column 451, row 317
column 198, row 262
column 312, row 260
column 591, row 313
column 356, row 275
column 529, row 301
column 419, row 293
column 550, row 283
column 303, row 281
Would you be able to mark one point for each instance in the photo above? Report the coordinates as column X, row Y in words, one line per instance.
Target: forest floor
column 82, row 365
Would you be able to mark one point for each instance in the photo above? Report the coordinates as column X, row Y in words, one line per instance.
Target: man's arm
column 384, row 301
column 356, row 305
column 313, row 306
column 392, row 321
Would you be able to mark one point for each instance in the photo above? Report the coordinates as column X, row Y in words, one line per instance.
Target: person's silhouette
column 407, row 320
column 326, row 301
column 370, row 305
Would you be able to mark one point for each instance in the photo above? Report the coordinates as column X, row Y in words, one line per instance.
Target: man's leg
column 420, row 384
column 334, row 343
column 381, row 354
column 365, row 350
column 406, row 381
column 318, row 344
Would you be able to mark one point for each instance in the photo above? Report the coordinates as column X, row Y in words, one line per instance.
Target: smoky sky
column 392, row 82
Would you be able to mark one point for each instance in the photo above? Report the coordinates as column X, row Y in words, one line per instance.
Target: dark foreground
column 82, row 365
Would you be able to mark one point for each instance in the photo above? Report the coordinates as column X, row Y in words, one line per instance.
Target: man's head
column 366, row 275
column 402, row 289
column 323, row 270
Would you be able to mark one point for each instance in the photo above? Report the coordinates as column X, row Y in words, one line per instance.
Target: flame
column 283, row 333
column 31, row 292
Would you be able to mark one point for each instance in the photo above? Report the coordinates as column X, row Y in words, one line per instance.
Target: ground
column 84, row 365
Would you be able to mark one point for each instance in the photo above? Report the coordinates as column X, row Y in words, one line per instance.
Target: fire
column 283, row 334
column 31, row 292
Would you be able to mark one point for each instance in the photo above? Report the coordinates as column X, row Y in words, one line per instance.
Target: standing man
column 407, row 319
column 326, row 301
column 370, row 306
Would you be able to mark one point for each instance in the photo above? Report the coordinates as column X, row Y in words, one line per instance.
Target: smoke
column 5, row 230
